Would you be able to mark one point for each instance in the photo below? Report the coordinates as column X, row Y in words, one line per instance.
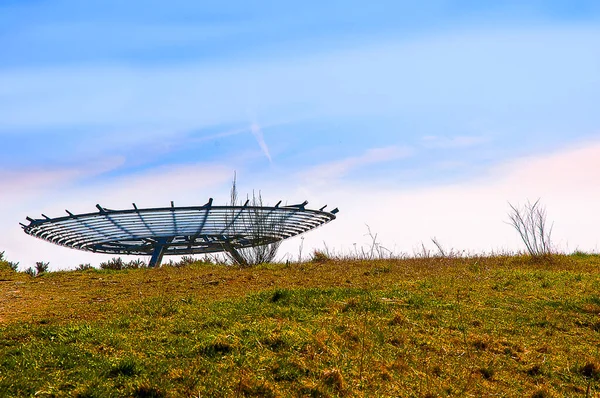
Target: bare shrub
column 260, row 227
column 376, row 251
column 373, row 251
column 530, row 222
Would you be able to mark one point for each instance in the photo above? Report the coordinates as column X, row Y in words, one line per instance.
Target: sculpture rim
column 181, row 230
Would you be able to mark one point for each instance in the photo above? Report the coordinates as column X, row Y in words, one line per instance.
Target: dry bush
column 530, row 222
column 261, row 226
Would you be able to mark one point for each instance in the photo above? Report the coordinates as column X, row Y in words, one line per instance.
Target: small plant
column 41, row 267
column 115, row 263
column 186, row 261
column 135, row 264
column 319, row 257
column 5, row 264
column 530, row 223
column 83, row 267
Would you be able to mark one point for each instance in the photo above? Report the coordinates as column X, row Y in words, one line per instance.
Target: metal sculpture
column 178, row 230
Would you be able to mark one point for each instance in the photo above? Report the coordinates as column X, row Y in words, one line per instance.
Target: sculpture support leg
column 234, row 253
column 157, row 254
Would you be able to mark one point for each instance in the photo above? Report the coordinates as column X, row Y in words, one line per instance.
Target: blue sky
column 328, row 100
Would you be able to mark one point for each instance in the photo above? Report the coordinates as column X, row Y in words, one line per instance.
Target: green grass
column 507, row 326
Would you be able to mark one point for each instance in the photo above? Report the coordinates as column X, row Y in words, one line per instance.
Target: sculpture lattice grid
column 177, row 230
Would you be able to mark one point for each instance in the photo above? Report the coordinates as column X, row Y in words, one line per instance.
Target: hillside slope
column 416, row 327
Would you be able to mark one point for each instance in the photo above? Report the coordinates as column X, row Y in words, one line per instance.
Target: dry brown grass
column 99, row 294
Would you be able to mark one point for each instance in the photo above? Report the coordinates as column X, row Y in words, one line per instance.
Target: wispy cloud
column 460, row 141
column 16, row 183
column 340, row 83
column 260, row 139
column 332, row 171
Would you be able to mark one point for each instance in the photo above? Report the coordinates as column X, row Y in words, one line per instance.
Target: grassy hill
column 507, row 326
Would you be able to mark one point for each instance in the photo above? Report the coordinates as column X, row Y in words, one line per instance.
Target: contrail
column 258, row 135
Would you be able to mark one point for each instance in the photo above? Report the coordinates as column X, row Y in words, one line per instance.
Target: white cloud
column 471, row 215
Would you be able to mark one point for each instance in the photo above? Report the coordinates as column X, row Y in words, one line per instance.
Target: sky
column 418, row 120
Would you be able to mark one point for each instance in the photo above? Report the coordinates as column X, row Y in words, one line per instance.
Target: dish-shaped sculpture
column 177, row 230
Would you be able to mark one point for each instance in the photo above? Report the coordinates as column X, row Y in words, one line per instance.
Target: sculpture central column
column 159, row 251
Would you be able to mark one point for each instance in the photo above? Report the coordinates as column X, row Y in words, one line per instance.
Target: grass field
column 490, row 326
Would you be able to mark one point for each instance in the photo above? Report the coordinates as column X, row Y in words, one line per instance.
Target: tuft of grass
column 125, row 367
column 487, row 372
column 279, row 295
column 218, row 347
column 146, row 390
column 319, row 257
column 333, row 377
column 535, row 370
column 590, row 370
column 541, row 393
